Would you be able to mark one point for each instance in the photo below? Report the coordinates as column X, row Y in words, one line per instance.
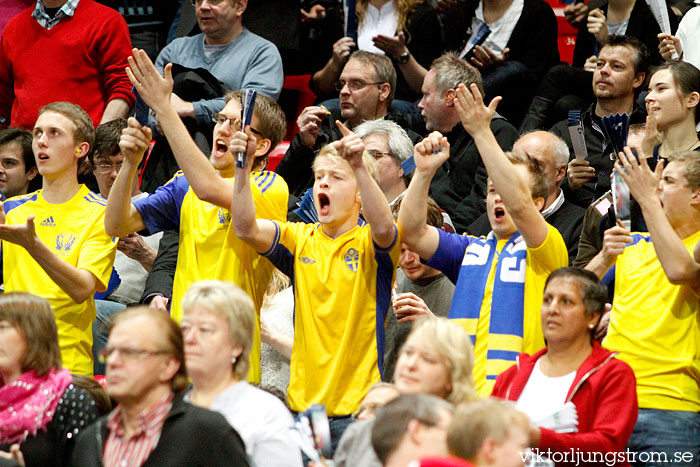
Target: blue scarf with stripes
column 508, row 297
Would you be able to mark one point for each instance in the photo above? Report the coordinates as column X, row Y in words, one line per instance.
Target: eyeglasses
column 354, row 85
column 377, row 154
column 210, row 2
column 107, row 168
column 128, row 353
column 235, row 122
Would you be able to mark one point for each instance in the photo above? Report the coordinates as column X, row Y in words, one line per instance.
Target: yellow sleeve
column 97, row 254
column 551, row 255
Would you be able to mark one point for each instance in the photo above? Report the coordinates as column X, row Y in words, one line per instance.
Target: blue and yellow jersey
column 75, row 232
column 654, row 326
column 209, row 248
column 539, row 263
column 342, row 292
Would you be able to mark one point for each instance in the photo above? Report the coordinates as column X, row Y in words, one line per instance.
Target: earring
column 591, row 326
column 233, row 360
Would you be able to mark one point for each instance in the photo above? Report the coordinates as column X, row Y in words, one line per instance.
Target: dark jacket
column 642, row 25
column 191, row 436
column 604, row 393
column 459, row 185
column 600, row 154
column 160, row 279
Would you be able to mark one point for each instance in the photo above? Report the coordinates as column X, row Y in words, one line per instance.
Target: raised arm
column 678, row 264
column 121, row 217
column 258, row 233
column 429, row 155
column 375, row 208
column 513, row 189
column 615, row 239
column 79, row 284
column 156, row 91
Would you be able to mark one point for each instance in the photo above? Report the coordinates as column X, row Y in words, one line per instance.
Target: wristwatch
column 403, row 58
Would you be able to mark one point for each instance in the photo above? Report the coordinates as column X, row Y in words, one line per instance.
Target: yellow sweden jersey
column 654, row 326
column 75, row 232
column 342, row 292
column 209, row 248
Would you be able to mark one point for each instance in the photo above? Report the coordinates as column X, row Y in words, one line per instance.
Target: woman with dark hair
column 574, row 368
column 672, row 104
column 41, row 410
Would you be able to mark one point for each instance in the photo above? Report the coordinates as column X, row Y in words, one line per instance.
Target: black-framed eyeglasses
column 353, row 85
column 235, row 122
column 129, row 353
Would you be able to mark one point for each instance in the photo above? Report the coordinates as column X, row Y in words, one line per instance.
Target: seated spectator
column 565, row 87
column 82, row 48
column 135, row 254
column 407, row 31
column 654, row 321
column 218, row 324
column 573, row 368
column 437, row 359
column 500, row 309
column 565, row 216
column 421, row 291
column 367, row 85
column 390, row 145
column 338, row 343
column 410, row 427
column 17, row 164
column 672, row 102
column 489, row 433
column 152, row 425
column 54, row 240
column 521, row 47
column 41, row 409
column 620, row 73
column 459, row 186
column 377, row 397
column 197, row 201
column 684, row 44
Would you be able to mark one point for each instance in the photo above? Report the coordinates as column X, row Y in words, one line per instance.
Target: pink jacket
column 604, row 393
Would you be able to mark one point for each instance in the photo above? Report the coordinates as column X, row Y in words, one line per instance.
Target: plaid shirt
column 120, row 451
column 46, row 21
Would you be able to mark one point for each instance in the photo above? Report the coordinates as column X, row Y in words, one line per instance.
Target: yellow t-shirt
column 75, row 232
column 208, row 246
column 342, row 292
column 539, row 263
column 654, row 326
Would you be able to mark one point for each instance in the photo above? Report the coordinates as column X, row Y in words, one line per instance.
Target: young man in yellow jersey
column 342, row 270
column 53, row 240
column 197, row 202
column 499, row 278
column 654, row 318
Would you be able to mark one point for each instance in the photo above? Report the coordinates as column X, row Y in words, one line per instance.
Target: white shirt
column 543, row 395
column 502, row 29
column 263, row 423
column 689, row 35
column 377, row 21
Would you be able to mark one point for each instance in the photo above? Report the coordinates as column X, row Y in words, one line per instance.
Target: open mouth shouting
column 220, row 148
column 499, row 213
column 324, row 204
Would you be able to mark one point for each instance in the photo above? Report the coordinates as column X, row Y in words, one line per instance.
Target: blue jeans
column 665, row 437
column 100, row 330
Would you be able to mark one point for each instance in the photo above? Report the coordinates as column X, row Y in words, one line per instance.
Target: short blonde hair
column 475, row 422
column 454, row 346
column 329, row 151
column 233, row 305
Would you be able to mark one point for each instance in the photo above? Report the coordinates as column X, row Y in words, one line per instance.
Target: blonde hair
column 454, row 346
column 233, row 305
column 329, row 151
column 475, row 422
column 404, row 7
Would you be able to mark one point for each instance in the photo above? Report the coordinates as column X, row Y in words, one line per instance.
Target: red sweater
column 604, row 393
column 80, row 60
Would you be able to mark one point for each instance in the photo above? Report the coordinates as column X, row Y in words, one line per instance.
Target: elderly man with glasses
column 366, row 90
column 152, row 425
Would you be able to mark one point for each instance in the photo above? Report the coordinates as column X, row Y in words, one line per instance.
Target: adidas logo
column 48, row 222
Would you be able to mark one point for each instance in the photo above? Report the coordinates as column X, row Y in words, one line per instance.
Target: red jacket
column 604, row 393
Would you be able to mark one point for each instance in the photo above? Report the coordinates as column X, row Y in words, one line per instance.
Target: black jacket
column 191, row 436
column 600, row 154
